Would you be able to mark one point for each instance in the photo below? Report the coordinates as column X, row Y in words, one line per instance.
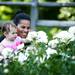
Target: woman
column 22, row 21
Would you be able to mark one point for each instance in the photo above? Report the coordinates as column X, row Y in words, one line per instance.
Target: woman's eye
column 28, row 27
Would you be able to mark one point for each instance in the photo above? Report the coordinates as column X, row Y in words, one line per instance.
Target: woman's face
column 23, row 28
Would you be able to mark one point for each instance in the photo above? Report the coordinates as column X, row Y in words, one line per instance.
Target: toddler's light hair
column 7, row 27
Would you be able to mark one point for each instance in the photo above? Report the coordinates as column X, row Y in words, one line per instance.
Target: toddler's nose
column 15, row 35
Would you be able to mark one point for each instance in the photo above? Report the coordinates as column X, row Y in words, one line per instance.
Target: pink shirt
column 14, row 45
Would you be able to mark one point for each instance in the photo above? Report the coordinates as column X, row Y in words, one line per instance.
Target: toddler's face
column 12, row 34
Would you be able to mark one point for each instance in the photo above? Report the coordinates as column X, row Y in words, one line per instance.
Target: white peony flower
column 6, row 70
column 7, row 52
column 31, row 35
column 22, row 57
column 53, row 43
column 64, row 36
column 50, row 51
column 73, row 57
column 31, row 47
column 41, row 37
column 72, row 30
column 1, row 64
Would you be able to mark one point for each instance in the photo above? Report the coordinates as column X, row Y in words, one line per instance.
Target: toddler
column 10, row 33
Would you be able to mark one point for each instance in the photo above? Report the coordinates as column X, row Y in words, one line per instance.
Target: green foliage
column 8, row 12
column 67, row 13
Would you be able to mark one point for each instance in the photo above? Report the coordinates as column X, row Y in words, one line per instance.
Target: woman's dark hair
column 20, row 15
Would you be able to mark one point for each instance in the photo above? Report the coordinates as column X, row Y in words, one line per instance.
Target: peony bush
column 40, row 56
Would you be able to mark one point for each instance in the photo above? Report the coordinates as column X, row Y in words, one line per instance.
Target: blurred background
column 7, row 12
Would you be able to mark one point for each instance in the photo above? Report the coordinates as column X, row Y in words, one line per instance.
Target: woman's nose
column 25, row 30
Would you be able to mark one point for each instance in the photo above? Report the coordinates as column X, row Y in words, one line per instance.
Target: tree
column 67, row 13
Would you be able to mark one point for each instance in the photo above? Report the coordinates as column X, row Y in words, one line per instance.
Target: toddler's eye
column 14, row 33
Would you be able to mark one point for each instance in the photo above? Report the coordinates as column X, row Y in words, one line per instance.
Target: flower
column 7, row 52
column 6, row 70
column 42, row 37
column 72, row 30
column 22, row 57
column 50, row 51
column 53, row 43
column 31, row 35
column 63, row 36
column 39, row 36
column 73, row 57
column 31, row 47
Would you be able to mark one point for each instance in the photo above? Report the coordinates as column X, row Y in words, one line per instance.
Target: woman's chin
column 23, row 36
